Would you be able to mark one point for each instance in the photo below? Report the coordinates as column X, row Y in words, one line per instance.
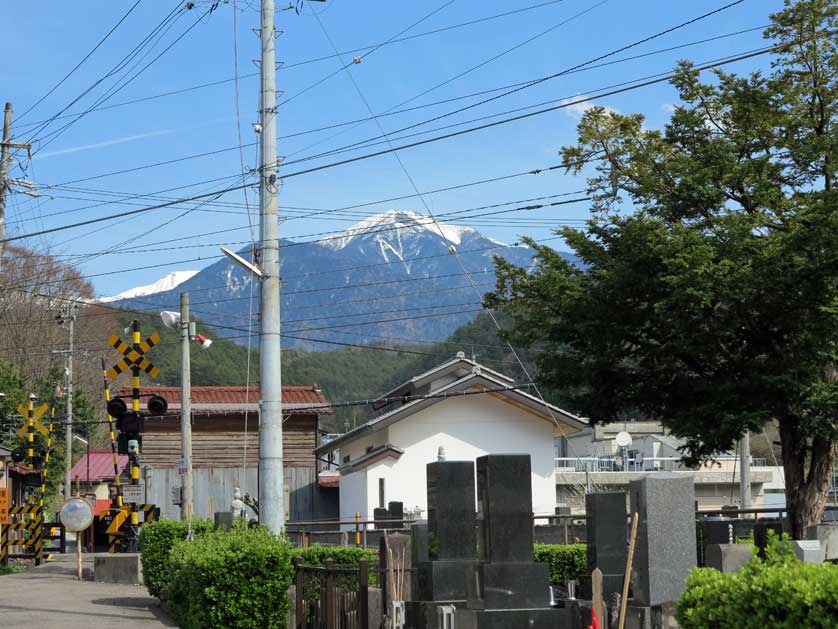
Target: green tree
column 707, row 296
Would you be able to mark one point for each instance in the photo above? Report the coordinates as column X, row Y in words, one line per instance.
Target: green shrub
column 567, row 561
column 156, row 541
column 777, row 592
column 11, row 568
column 316, row 555
column 237, row 578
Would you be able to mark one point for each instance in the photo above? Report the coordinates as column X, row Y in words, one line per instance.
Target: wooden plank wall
column 221, row 444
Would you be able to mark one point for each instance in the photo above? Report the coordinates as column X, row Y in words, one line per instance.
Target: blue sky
column 40, row 49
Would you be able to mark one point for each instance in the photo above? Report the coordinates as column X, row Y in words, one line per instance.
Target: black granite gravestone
column 606, row 524
column 506, row 588
column 761, row 528
column 446, row 547
column 395, row 510
column 665, row 550
column 504, row 507
column 379, row 514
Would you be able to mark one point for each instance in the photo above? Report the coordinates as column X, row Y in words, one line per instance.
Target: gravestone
column 727, row 557
column 606, row 525
column 665, row 550
column 445, row 548
column 380, row 515
column 827, row 535
column 395, row 511
column 761, row 528
column 506, row 588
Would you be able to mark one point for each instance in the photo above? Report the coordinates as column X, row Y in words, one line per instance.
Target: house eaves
column 476, row 379
column 456, row 363
column 375, row 455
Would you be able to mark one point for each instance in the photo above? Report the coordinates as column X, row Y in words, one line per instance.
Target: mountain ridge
column 389, row 278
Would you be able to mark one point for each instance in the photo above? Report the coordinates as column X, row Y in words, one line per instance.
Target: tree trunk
column 806, row 489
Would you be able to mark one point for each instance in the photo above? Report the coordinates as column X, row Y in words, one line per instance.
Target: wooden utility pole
column 5, row 167
column 4, row 173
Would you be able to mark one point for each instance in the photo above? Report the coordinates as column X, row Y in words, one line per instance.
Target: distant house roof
column 295, row 400
column 469, row 378
column 101, row 466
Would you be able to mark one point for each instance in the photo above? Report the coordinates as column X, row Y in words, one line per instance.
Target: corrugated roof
column 101, row 466
column 296, row 399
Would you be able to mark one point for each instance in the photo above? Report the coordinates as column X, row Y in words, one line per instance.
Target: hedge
column 777, row 592
column 156, row 541
column 237, row 578
column 567, row 561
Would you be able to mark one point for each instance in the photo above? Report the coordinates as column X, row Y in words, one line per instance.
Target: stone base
column 423, row 614
column 808, row 551
column 509, row 585
column 727, row 557
column 124, row 568
column 546, row 618
column 443, row 580
column 827, row 535
column 658, row 617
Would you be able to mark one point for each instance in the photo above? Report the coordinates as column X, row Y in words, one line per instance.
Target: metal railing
column 640, row 464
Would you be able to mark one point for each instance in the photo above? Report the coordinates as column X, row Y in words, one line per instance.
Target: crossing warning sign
column 36, row 415
column 133, row 355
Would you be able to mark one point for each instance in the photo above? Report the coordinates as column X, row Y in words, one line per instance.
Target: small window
column 346, row 458
column 381, row 497
column 370, row 449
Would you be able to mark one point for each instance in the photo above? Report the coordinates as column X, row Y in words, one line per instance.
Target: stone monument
column 665, row 550
column 606, row 526
column 446, row 547
column 506, row 588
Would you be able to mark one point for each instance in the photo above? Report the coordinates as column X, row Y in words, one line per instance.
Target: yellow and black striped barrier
column 28, row 527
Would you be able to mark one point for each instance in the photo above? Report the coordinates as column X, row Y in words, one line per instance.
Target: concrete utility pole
column 745, row 471
column 4, row 172
column 186, row 508
column 68, row 371
column 271, row 482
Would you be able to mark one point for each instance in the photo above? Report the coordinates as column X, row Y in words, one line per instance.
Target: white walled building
column 460, row 406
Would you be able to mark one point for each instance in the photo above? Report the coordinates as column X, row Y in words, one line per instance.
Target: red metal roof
column 101, row 466
column 306, row 399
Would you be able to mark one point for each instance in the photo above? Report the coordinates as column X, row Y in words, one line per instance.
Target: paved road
column 50, row 597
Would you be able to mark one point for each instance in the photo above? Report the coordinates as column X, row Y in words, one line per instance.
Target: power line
column 80, row 63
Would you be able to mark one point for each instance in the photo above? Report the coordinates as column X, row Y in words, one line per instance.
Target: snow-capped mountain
column 390, row 278
column 165, row 283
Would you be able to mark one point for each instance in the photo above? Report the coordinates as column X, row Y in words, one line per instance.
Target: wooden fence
column 331, row 596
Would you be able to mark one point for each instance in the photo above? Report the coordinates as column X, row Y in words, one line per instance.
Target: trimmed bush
column 776, row 592
column 237, row 578
column 316, row 555
column 156, row 542
column 567, row 561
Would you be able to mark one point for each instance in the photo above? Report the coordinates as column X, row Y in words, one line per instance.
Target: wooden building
column 225, row 450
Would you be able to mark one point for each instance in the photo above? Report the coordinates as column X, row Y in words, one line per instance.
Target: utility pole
column 5, row 167
column 186, row 507
column 271, row 482
column 745, row 471
column 4, row 173
column 70, row 317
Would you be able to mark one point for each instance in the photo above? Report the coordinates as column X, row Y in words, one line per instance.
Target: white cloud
column 668, row 107
column 87, row 147
column 577, row 106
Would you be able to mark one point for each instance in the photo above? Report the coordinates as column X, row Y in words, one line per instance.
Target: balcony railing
column 647, row 464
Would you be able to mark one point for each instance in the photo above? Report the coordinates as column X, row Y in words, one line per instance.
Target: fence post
column 329, row 595
column 363, row 593
column 299, row 582
column 357, row 528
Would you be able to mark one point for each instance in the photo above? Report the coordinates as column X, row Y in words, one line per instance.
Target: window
column 381, row 497
column 346, row 458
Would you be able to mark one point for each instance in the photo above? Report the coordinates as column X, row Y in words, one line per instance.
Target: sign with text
column 4, row 505
column 133, row 493
column 182, row 467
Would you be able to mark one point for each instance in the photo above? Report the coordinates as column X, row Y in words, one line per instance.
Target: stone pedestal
column 808, row 551
column 517, row 618
column 827, row 535
column 606, row 524
column 665, row 550
column 727, row 557
column 124, row 568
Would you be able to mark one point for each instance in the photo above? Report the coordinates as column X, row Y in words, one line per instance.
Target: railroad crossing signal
column 134, row 356
column 36, row 415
